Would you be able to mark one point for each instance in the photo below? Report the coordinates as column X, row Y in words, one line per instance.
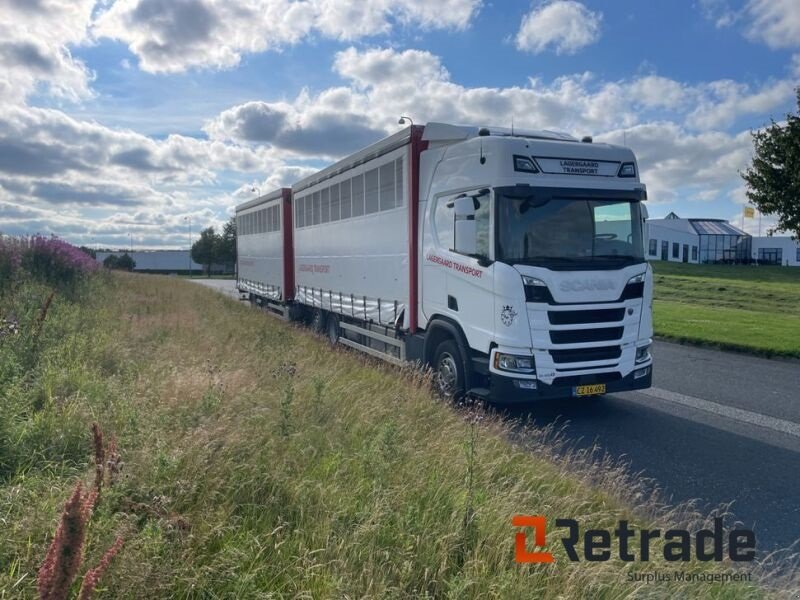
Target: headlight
column 638, row 278
column 511, row 362
column 536, row 290
column 533, row 281
column 642, row 353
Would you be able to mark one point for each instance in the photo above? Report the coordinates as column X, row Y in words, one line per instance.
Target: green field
column 745, row 308
column 261, row 463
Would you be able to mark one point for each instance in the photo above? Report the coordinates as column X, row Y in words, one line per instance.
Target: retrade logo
column 630, row 544
column 521, row 553
column 586, row 285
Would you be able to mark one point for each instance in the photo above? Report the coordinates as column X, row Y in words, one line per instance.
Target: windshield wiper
column 536, row 259
column 625, row 256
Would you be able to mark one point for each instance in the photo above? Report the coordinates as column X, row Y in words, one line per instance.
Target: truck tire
column 318, row 321
column 448, row 368
column 333, row 330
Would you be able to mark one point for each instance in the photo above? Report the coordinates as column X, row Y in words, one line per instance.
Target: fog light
column 525, row 384
column 639, row 373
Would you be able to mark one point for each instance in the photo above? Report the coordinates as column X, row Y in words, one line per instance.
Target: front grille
column 589, row 379
column 576, row 317
column 585, row 354
column 577, row 336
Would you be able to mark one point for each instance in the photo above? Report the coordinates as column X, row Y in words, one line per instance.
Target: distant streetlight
column 403, row 120
column 130, row 235
column 256, row 190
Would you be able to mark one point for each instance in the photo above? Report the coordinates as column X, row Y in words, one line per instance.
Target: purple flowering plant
column 48, row 259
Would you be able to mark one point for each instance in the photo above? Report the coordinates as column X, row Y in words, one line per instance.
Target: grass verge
column 258, row 462
column 742, row 308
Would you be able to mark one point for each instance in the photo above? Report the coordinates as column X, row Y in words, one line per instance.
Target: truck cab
column 533, row 281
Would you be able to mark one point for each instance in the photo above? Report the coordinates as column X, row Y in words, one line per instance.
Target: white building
column 777, row 250
column 158, row 261
column 711, row 241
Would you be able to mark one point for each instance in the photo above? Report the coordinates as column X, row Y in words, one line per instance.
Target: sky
column 144, row 121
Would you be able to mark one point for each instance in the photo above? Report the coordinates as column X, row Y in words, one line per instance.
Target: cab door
column 459, row 285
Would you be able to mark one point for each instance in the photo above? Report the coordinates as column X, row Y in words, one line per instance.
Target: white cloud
column 566, row 26
column 774, row 22
column 677, row 164
column 720, row 103
column 317, row 128
column 653, row 91
column 34, row 50
column 175, row 35
column 719, row 11
column 85, row 181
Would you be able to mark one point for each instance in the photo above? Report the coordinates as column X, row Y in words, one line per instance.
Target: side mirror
column 466, row 231
column 645, row 214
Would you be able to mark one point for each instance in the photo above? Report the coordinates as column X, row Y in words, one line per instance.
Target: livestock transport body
column 512, row 263
column 264, row 250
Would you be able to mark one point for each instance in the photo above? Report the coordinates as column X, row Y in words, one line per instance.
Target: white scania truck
column 512, row 263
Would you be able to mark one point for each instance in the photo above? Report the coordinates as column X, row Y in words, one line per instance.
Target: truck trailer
column 509, row 262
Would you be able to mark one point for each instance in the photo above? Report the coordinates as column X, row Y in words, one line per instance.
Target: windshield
column 568, row 232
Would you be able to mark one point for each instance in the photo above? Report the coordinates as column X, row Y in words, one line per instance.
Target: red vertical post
column 416, row 147
column 287, row 226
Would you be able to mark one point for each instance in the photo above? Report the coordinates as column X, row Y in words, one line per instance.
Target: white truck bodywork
column 512, row 262
column 260, row 246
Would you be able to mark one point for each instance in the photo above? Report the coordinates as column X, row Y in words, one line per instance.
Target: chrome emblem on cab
column 586, row 285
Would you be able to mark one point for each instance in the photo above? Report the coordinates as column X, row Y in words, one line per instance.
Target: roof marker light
column 524, row 164
column 627, row 169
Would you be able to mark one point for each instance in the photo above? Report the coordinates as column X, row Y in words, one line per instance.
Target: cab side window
column 482, row 214
column 443, row 221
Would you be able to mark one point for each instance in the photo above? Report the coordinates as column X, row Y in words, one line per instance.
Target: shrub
column 49, row 260
column 123, row 263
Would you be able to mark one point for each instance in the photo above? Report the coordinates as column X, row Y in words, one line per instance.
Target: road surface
column 716, row 427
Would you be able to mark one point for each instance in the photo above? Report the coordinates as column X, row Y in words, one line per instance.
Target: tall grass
column 259, row 462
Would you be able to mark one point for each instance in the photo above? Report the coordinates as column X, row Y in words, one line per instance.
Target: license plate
column 590, row 390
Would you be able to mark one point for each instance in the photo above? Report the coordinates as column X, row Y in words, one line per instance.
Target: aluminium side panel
column 351, row 239
column 260, row 245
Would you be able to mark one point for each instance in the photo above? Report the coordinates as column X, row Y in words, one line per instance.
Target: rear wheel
column 318, row 321
column 333, row 329
column 449, row 376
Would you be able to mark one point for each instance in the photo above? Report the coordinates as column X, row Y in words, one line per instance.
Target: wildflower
column 65, row 554
column 99, row 457
column 92, row 576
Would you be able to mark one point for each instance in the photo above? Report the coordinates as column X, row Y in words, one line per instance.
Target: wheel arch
column 441, row 328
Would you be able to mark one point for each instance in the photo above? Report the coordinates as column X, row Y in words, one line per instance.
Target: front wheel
column 449, row 376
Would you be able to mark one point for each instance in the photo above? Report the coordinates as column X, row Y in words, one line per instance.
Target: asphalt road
column 717, row 428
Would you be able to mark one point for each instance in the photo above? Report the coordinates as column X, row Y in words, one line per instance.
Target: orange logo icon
column 521, row 553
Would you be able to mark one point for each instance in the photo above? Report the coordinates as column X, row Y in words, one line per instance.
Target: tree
column 126, row 262
column 773, row 179
column 226, row 244
column 123, row 263
column 204, row 250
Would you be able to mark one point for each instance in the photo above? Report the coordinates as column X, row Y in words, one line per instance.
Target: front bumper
column 503, row 389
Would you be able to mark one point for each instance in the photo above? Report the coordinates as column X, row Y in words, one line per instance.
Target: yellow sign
column 749, row 212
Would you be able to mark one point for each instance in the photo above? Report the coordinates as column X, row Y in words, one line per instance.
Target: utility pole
column 189, row 219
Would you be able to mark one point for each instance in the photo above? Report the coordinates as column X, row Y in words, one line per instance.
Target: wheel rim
column 447, row 374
